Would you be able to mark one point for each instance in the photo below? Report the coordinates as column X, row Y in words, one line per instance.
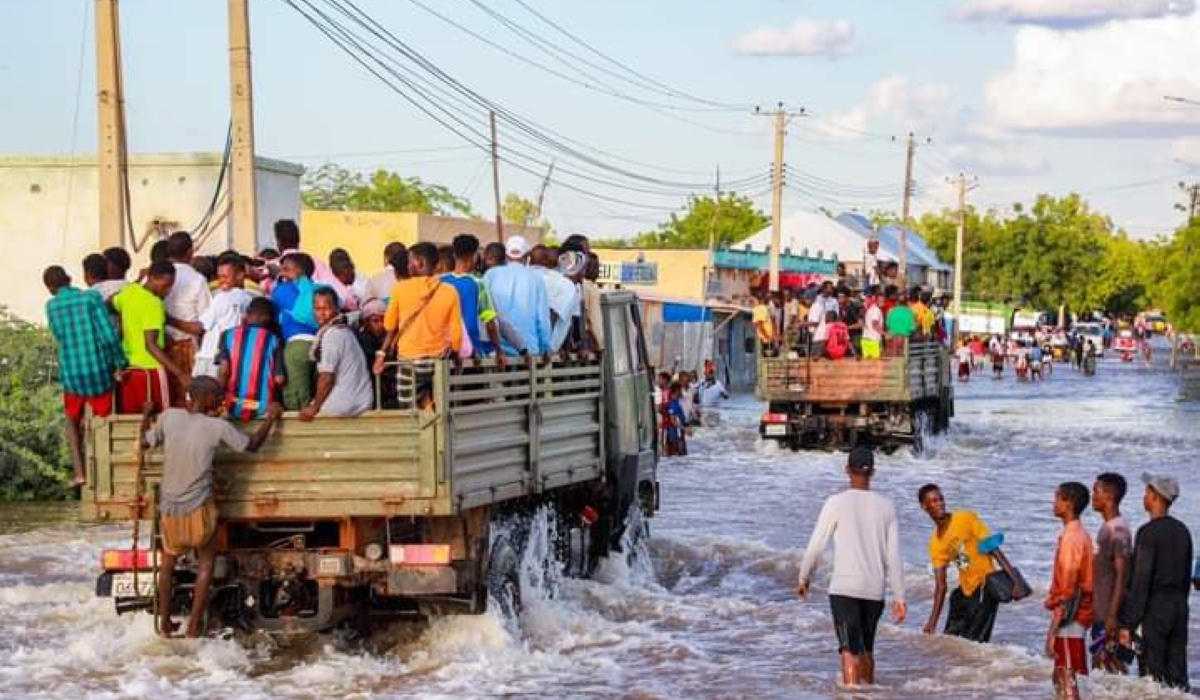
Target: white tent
column 815, row 235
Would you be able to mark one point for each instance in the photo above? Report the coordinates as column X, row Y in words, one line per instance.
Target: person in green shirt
column 901, row 322
column 143, row 338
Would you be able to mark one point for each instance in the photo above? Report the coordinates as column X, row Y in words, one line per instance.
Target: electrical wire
column 74, row 131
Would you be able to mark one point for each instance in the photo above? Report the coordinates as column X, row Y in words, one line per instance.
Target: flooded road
column 712, row 613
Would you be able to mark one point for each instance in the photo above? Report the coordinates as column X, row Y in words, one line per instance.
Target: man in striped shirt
column 90, row 359
column 250, row 362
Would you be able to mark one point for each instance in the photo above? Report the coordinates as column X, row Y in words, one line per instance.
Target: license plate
column 776, row 430
column 122, row 585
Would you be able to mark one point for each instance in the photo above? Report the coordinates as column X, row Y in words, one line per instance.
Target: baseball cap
column 1166, row 486
column 862, row 458
column 516, row 247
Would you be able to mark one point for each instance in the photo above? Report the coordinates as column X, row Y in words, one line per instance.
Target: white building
column 49, row 212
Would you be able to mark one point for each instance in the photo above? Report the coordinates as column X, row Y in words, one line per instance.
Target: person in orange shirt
column 1070, row 596
column 423, row 320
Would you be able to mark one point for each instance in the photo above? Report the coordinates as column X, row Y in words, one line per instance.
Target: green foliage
column 332, row 187
column 1057, row 251
column 34, row 463
column 1179, row 281
column 731, row 219
column 520, row 211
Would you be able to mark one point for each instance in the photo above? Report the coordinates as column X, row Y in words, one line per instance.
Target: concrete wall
column 49, row 212
column 363, row 234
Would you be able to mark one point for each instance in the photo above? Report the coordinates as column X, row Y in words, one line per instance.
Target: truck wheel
column 504, row 578
column 920, row 425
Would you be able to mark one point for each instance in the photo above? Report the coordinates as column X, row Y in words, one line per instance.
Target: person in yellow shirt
column 921, row 312
column 764, row 324
column 955, row 540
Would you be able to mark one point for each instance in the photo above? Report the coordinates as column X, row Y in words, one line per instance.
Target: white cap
column 516, row 247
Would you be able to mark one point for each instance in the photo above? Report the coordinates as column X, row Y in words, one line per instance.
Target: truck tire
column 504, row 578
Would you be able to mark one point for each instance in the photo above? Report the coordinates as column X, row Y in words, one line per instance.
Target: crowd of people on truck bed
column 1120, row 600
column 835, row 321
column 285, row 326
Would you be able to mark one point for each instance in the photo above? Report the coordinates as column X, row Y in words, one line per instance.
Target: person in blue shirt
column 473, row 299
column 519, row 297
column 293, row 297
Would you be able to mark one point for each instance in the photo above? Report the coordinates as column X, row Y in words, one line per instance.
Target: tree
column 520, row 211
column 730, row 219
column 34, row 463
column 1179, row 287
column 332, row 187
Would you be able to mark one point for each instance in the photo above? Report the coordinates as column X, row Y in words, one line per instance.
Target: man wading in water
column 866, row 542
column 955, row 540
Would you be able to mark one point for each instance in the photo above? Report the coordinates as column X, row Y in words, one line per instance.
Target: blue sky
column 1029, row 95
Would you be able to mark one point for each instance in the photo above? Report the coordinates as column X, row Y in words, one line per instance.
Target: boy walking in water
column 866, row 542
column 955, row 540
column 1070, row 597
column 1114, row 551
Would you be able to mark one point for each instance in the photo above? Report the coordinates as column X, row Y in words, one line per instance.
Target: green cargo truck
column 407, row 512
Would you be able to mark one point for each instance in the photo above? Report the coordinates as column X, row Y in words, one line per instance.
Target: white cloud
column 894, row 100
column 1070, row 13
column 1187, row 149
column 1107, row 80
column 804, row 38
column 1000, row 158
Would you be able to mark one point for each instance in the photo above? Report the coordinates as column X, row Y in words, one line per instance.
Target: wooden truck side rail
column 908, row 375
column 493, row 435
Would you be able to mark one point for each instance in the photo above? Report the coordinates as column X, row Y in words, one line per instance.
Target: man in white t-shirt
column 866, row 562
column 189, row 297
column 817, row 318
column 226, row 311
column 712, row 393
column 871, row 263
column 872, row 337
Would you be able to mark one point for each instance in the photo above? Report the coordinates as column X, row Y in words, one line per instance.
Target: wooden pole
column 243, row 184
column 496, row 177
column 109, row 109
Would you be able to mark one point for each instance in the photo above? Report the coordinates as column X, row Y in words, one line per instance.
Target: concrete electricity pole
column 110, row 110
column 537, row 212
column 782, row 117
column 965, row 185
column 496, row 177
column 908, row 192
column 243, row 182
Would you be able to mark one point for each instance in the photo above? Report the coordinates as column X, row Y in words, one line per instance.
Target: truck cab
column 399, row 512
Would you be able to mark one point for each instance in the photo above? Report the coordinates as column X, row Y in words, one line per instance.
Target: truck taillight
column 123, row 559
column 419, row 554
column 775, row 418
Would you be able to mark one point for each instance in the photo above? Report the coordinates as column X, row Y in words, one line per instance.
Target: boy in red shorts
column 1070, row 597
column 90, row 359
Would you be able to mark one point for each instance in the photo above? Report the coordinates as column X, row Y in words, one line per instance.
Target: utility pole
column 964, row 185
column 537, row 212
column 243, row 182
column 110, row 109
column 777, row 197
column 782, row 117
column 496, row 177
column 1193, row 200
column 908, row 191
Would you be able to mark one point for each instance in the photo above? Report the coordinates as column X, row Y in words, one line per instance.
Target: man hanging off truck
column 190, row 439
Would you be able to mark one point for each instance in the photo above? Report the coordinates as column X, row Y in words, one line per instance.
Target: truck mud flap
column 623, row 480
